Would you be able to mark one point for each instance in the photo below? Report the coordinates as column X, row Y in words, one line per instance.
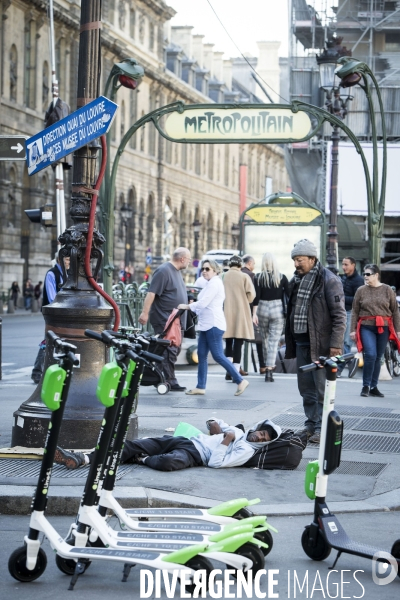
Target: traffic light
column 42, row 215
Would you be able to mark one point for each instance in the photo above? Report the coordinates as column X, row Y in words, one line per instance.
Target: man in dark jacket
column 315, row 326
column 351, row 281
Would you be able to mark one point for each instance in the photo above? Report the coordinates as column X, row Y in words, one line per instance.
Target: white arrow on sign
column 18, row 148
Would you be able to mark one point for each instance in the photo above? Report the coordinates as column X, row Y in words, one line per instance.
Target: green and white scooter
column 325, row 532
column 240, row 551
column 28, row 562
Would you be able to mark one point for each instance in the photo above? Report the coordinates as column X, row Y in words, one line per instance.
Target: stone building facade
column 195, row 181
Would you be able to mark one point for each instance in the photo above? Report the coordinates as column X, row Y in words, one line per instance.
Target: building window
column 132, row 23
column 210, row 231
column 184, row 156
column 392, row 42
column 226, row 166
column 152, row 129
column 13, row 73
column 122, row 113
column 151, row 37
column 45, row 85
column 211, row 161
column 29, row 95
column 198, row 159
column 142, row 26
column 133, row 117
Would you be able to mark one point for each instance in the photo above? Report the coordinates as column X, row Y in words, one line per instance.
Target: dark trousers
column 37, row 370
column 233, row 349
column 171, row 354
column 312, row 389
column 374, row 345
column 260, row 355
column 164, row 454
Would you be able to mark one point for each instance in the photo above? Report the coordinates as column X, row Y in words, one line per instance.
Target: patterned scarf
column 306, row 286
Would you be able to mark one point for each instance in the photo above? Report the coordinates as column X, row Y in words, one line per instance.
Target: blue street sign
column 149, row 259
column 69, row 134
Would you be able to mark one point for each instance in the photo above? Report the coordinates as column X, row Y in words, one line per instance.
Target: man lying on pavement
column 263, row 446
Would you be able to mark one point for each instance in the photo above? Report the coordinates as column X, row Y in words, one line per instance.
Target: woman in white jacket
column 212, row 325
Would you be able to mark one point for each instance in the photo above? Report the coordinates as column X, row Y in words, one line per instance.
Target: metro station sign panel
column 266, row 123
column 282, row 214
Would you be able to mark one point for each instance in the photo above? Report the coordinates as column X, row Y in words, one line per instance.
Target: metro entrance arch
column 242, row 123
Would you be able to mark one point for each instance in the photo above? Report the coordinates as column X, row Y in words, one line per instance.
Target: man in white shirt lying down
column 226, row 446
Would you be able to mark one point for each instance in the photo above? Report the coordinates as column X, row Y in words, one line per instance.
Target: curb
column 16, row 500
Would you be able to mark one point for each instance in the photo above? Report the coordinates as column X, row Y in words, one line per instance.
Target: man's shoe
column 365, row 391
column 307, row 432
column 263, row 370
column 375, row 392
column 71, row 460
column 241, row 387
column 195, row 392
column 338, row 374
column 177, row 388
column 228, row 377
column 35, row 380
column 353, row 366
column 315, row 438
column 243, row 373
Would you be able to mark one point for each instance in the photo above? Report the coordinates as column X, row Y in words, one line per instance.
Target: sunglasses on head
column 205, row 269
column 368, row 274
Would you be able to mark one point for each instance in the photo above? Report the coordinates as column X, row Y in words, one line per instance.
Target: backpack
column 284, row 453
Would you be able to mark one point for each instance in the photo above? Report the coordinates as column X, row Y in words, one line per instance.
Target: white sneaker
column 195, row 392
column 241, row 387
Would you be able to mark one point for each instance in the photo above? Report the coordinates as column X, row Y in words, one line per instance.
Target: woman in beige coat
column 239, row 293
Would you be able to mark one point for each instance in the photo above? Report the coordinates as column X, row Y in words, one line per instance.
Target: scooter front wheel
column 199, row 563
column 320, row 551
column 395, row 552
column 18, row 569
column 243, row 513
column 266, row 537
column 254, row 554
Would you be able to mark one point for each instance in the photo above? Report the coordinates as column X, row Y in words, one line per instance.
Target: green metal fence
column 130, row 300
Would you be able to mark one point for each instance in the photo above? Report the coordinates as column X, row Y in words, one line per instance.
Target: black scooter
column 326, row 532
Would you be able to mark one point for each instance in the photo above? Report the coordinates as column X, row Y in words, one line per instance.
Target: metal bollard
column 1, row 344
column 1, row 306
column 10, row 307
column 35, row 305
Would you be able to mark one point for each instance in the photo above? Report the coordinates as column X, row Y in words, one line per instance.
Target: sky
column 247, row 23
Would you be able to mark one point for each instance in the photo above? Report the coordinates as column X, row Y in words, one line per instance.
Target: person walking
column 211, row 326
column 249, row 264
column 351, row 281
column 28, row 294
column 53, row 283
column 37, row 290
column 14, row 292
column 272, row 289
column 315, row 326
column 167, row 290
column 375, row 319
column 239, row 293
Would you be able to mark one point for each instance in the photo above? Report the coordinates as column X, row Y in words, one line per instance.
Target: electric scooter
column 28, row 562
column 240, row 539
column 326, row 532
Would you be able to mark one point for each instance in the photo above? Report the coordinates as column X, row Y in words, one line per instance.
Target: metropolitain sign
column 209, row 123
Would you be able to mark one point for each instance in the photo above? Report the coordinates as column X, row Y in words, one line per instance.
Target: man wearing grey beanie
column 315, row 326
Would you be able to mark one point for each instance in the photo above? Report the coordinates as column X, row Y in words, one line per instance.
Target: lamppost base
column 68, row 316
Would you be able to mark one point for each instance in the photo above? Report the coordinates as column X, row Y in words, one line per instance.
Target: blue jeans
column 374, row 345
column 211, row 341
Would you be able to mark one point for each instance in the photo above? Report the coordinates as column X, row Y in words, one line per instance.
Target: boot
column 269, row 375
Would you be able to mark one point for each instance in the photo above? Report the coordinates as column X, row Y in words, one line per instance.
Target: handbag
column 257, row 334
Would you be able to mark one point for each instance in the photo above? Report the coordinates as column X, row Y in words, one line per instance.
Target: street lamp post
column 127, row 73
column 196, row 230
column 126, row 215
column 351, row 71
column 335, row 105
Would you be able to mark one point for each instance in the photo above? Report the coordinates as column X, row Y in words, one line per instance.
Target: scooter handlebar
column 132, row 355
column 312, row 367
column 152, row 357
column 94, row 335
column 347, row 357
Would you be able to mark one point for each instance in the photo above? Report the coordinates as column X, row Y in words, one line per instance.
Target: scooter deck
column 189, row 526
column 339, row 540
